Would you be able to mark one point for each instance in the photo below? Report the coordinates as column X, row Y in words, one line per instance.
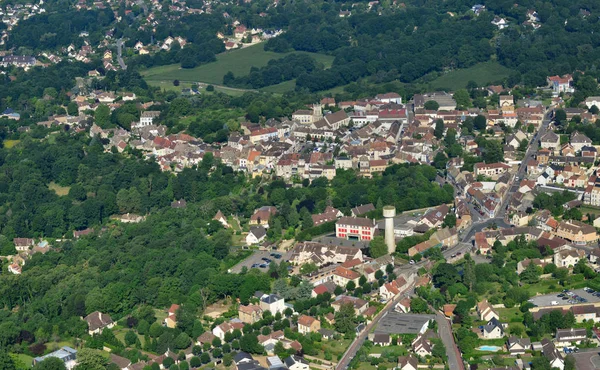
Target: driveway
column 455, row 361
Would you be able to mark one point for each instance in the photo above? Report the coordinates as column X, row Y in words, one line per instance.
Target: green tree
column 51, row 363
column 462, row 98
column 431, row 105
column 531, row 274
column 345, row 319
column 102, row 116
column 90, row 359
column 450, row 220
column 445, row 275
column 130, row 338
column 438, row 131
column 377, row 247
column 418, row 305
column 72, row 109
column 306, row 218
column 6, row 362
column 480, row 122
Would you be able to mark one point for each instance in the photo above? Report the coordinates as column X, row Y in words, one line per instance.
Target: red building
column 355, row 228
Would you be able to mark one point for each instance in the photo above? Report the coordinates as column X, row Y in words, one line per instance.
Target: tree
column 102, row 116
column 377, row 247
column 480, row 122
column 6, row 362
column 210, row 88
column 445, row 275
column 72, row 109
column 175, row 82
column 438, row 131
column 440, row 160
column 195, row 362
column 560, row 116
column 431, row 105
column 594, row 109
column 418, row 305
column 90, row 359
column 531, row 274
column 345, row 319
column 462, row 98
column 306, row 218
column 570, row 363
column 51, row 363
column 449, row 220
column 182, row 341
column 130, row 338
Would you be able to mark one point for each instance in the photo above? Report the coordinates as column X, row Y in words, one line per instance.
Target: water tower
column 389, row 212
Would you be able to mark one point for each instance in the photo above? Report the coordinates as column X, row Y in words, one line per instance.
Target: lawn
column 335, row 347
column 10, row 143
column 237, row 61
column 61, row 191
column 591, row 210
column 22, row 361
column 482, row 73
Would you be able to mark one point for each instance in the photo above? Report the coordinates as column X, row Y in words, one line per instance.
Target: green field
column 237, row 61
column 482, row 73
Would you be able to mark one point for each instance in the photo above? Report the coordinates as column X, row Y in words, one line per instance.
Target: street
column 119, row 54
column 445, row 332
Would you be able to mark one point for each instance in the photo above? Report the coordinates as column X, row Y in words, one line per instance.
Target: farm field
column 238, row 61
column 482, row 73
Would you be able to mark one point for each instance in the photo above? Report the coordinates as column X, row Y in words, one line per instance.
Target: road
column 360, row 339
column 119, row 54
column 445, row 331
column 500, row 220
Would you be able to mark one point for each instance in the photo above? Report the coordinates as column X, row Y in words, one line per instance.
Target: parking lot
column 587, row 360
column 256, row 261
column 546, row 300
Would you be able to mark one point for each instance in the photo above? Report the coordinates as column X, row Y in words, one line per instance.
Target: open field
column 482, row 73
column 61, row 191
column 238, row 61
column 10, row 143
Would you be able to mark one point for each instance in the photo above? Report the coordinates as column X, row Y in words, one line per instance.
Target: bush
column 210, row 88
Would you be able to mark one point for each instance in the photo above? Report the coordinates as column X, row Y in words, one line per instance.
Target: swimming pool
column 489, row 348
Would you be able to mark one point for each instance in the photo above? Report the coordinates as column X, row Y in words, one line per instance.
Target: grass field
column 238, row 61
column 591, row 210
column 61, row 191
column 482, row 73
column 10, row 143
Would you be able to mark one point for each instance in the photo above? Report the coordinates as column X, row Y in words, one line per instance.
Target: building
column 568, row 337
column 250, row 314
column 355, row 228
column 296, row 363
column 308, row 324
column 421, row 346
column 272, row 303
column 262, row 215
column 20, row 61
column 147, row 118
column 492, row 170
column 342, row 276
column 553, row 355
column 360, row 305
column 493, row 329
column 171, row 319
column 591, row 101
column 518, row 346
column 98, row 321
column 256, row 235
column 568, row 257
column 577, row 232
column 486, row 312
column 407, row 363
column 66, row 354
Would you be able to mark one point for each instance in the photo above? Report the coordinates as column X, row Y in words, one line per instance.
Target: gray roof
column 271, row 298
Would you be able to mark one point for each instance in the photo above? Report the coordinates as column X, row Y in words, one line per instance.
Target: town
column 207, row 185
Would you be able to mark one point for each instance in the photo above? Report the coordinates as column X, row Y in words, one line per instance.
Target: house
column 553, row 355
column 493, row 329
column 579, row 140
column 296, row 363
column 326, row 334
column 518, row 346
column 550, row 141
column 250, row 314
column 23, row 244
column 221, row 218
column 561, row 84
column 568, row 258
column 342, row 276
column 492, row 170
column 362, row 209
column 592, row 101
column 275, row 363
column 98, row 321
column 121, row 362
column 407, row 363
column 566, row 337
column 308, row 324
column 227, row 327
column 390, row 290
column 66, row 354
column 171, row 319
column 206, row 337
column 272, row 303
column 381, row 339
column 256, row 235
column 262, row 215
column 421, row 346
column 326, row 287
column 486, row 312
column 360, row 305
column 435, row 217
column 330, row 214
column 403, row 305
column 355, row 228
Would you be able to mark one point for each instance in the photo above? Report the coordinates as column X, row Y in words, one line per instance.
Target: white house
column 272, row 303
column 256, row 235
column 296, row 363
column 493, row 329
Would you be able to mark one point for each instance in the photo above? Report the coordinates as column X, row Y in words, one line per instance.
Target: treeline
column 276, row 71
column 423, row 40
